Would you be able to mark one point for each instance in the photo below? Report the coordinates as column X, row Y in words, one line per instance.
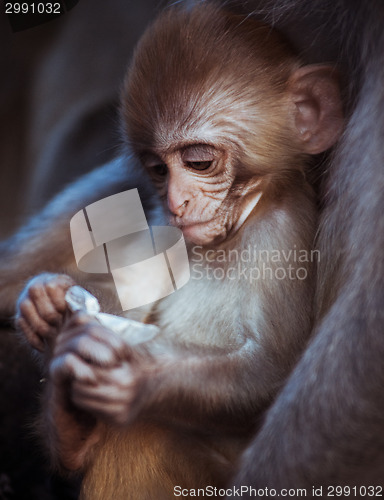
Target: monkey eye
column 198, row 157
column 160, row 170
column 198, row 165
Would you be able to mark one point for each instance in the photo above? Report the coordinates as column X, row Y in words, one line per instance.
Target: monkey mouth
column 201, row 232
column 184, row 224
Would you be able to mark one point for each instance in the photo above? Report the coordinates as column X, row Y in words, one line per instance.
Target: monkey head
column 221, row 111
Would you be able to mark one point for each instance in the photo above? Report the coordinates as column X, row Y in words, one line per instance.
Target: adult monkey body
column 328, row 429
column 300, row 454
column 223, row 126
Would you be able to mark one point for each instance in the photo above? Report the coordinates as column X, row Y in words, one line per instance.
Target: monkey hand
column 40, row 308
column 101, row 373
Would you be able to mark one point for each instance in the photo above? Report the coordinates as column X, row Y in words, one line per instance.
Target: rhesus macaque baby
column 223, row 117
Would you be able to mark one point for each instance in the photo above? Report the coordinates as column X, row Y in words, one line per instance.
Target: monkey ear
column 315, row 93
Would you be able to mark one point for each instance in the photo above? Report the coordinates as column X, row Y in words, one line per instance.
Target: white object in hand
column 133, row 332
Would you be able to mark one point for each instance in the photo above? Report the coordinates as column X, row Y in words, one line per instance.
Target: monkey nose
column 179, row 210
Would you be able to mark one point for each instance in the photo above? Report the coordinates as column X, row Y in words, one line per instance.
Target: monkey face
column 196, row 183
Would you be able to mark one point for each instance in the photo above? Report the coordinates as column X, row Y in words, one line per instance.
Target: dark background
column 59, row 88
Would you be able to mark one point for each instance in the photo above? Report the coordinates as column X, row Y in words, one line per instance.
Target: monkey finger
column 56, row 288
column 81, row 319
column 116, row 412
column 82, row 323
column 109, row 386
column 32, row 318
column 69, row 366
column 104, row 336
column 88, row 348
column 33, row 339
column 99, row 392
column 77, row 325
column 38, row 294
column 120, row 377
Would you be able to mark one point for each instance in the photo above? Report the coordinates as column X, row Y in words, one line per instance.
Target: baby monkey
column 223, row 116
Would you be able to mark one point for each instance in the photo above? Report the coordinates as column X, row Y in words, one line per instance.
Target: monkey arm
column 328, row 416
column 326, row 427
column 191, row 391
column 212, row 389
column 189, row 385
column 194, row 392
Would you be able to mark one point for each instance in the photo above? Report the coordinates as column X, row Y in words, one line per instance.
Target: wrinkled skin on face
column 197, row 184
